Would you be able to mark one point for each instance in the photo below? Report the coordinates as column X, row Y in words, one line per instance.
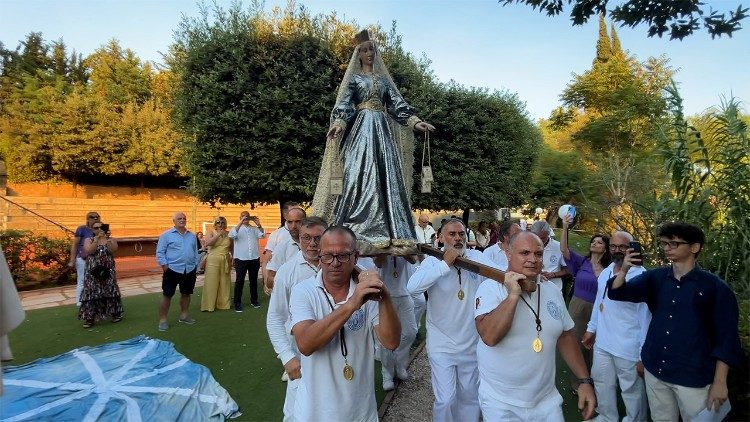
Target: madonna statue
column 366, row 176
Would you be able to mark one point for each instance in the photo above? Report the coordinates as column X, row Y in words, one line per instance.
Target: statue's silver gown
column 374, row 202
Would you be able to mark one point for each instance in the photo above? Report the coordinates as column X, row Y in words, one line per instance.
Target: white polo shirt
column 246, row 242
column 450, row 321
column 511, row 372
column 402, row 270
column 553, row 261
column 324, row 394
column 279, row 317
column 620, row 327
column 282, row 253
column 424, row 234
column 497, row 255
column 276, row 237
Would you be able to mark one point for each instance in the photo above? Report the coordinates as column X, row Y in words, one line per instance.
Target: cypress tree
column 603, row 45
column 616, row 47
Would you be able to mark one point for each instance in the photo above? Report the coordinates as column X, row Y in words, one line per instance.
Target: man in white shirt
column 424, row 230
column 284, row 251
column 278, row 321
column 520, row 322
column 395, row 272
column 496, row 253
column 617, row 331
column 451, row 336
column 246, row 257
column 334, row 322
column 275, row 238
column 554, row 264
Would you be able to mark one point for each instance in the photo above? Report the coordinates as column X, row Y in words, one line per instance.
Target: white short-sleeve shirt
column 554, row 261
column 497, row 255
column 277, row 237
column 324, row 394
column 283, row 253
column 278, row 319
column 511, row 372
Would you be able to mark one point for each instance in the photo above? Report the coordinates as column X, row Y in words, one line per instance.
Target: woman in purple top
column 585, row 270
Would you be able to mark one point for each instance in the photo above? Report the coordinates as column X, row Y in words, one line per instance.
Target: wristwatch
column 588, row 380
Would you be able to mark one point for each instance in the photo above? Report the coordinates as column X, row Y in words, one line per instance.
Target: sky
column 474, row 42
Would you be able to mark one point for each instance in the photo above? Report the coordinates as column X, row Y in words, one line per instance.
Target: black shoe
column 256, row 305
column 238, row 307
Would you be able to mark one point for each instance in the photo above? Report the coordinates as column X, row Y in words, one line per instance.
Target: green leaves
column 679, row 18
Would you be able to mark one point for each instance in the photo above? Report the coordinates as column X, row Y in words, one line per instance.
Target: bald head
column 423, row 221
column 618, row 246
column 180, row 221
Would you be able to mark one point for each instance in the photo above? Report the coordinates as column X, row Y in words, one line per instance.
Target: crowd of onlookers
column 661, row 339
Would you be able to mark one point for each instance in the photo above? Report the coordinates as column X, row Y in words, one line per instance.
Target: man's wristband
column 586, row 381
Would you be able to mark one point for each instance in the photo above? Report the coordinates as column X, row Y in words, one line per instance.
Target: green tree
column 680, row 18
column 617, row 105
column 483, row 139
column 603, row 44
column 256, row 106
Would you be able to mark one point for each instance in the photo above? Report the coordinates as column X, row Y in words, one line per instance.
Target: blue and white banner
column 140, row 379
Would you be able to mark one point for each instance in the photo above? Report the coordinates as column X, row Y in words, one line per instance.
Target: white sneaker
column 284, row 377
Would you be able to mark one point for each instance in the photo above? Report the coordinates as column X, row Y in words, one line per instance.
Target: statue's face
column 367, row 53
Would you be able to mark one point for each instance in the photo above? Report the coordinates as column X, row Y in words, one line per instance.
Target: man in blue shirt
column 693, row 336
column 177, row 253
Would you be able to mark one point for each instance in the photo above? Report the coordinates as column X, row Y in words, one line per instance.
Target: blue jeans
column 241, row 268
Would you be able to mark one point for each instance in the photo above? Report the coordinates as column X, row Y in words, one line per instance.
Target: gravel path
column 412, row 399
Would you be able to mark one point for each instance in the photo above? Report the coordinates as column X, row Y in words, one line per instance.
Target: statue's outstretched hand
column 424, row 127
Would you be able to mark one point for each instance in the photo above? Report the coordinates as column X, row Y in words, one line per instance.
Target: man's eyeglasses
column 220, row 222
column 673, row 244
column 308, row 238
column 621, row 248
column 342, row 257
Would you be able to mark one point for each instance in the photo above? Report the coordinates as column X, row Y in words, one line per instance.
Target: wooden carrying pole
column 465, row 264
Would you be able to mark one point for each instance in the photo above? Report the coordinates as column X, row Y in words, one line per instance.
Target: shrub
column 36, row 261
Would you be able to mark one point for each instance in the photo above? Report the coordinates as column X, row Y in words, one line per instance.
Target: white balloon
column 566, row 209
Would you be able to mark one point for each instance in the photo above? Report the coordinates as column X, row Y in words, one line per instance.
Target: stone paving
column 59, row 296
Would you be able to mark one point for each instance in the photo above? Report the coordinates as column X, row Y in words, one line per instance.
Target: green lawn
column 234, row 346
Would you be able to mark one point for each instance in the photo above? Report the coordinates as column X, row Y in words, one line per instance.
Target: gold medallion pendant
column 461, row 294
column 348, row 372
column 601, row 307
column 536, row 345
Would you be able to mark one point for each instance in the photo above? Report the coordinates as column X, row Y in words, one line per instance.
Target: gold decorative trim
column 371, row 104
column 412, row 121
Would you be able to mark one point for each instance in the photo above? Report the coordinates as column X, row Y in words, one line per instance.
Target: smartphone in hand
column 636, row 247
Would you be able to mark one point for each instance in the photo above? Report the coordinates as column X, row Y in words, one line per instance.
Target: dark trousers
column 251, row 268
